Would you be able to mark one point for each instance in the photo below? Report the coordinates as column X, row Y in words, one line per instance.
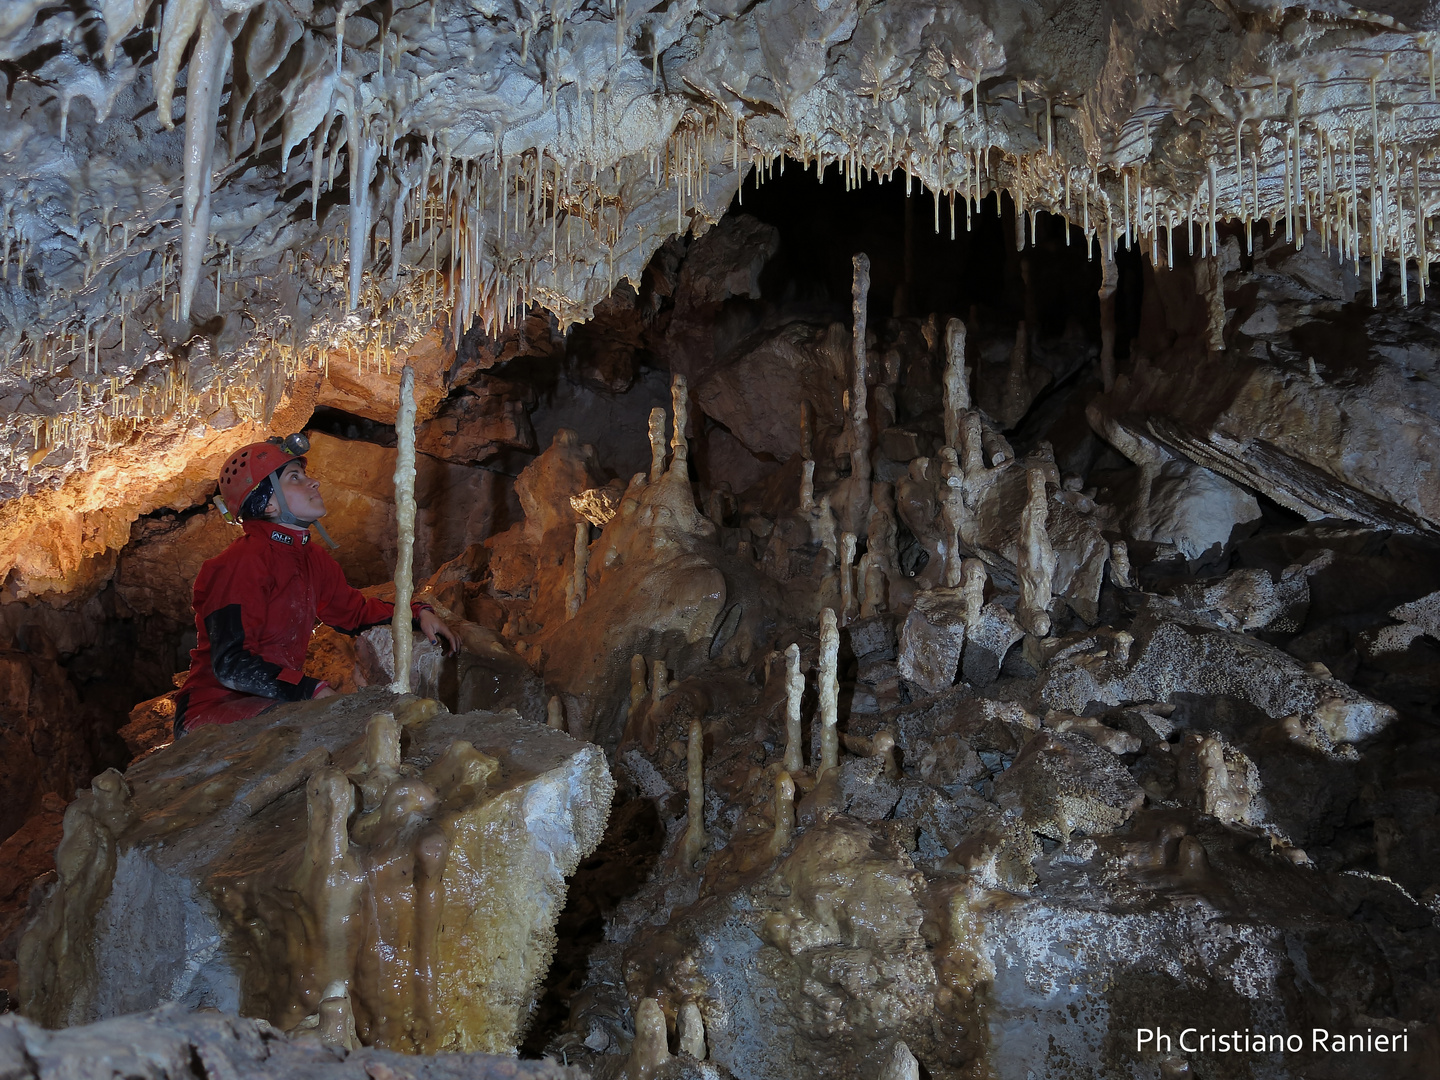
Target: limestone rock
column 1320, row 447
column 489, row 416
column 545, row 486
column 865, row 792
column 726, row 262
column 164, row 1044
column 218, row 893
column 932, row 638
column 1170, row 656
column 42, row 747
column 1062, row 783
column 752, row 395
column 1251, row 599
column 987, row 644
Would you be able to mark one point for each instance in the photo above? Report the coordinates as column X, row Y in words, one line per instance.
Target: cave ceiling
column 178, row 180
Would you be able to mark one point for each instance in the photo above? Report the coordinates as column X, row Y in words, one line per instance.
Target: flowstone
column 370, row 864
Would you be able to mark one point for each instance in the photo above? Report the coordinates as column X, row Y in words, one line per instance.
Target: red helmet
column 247, row 466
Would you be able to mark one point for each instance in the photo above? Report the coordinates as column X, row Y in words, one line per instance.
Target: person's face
column 302, row 494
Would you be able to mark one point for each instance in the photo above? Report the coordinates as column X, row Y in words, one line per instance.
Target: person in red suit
column 256, row 603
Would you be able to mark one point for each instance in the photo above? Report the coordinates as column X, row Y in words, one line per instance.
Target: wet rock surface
column 370, row 856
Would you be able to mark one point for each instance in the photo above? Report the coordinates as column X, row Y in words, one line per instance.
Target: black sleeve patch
column 241, row 670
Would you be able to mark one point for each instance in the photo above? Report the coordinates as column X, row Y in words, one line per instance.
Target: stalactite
column 202, row 106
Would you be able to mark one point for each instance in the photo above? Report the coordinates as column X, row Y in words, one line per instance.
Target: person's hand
column 325, row 690
column 432, row 627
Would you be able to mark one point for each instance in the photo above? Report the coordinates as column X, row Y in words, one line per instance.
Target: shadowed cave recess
column 938, row 503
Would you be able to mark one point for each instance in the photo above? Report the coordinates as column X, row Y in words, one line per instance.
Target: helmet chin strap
column 288, row 518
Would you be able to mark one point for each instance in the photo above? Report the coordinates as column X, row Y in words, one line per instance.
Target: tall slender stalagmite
column 956, row 389
column 405, row 526
column 829, row 691
column 784, row 812
column 695, row 837
column 1108, row 284
column 680, row 401
column 657, row 443
column 860, row 449
column 1037, row 558
column 973, row 592
column 848, row 604
column 794, row 690
column 807, row 486
column 575, row 592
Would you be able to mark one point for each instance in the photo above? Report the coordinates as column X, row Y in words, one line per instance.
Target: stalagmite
column 555, row 713
column 829, row 688
column 872, row 585
column 638, row 689
column 405, row 528
column 956, row 389
column 859, row 414
column 651, row 1048
column 690, row 1027
column 330, row 877
column 847, row 578
column 680, row 399
column 794, row 691
column 807, row 486
column 901, row 1065
column 951, row 510
column 337, row 1023
column 1108, row 284
column 882, row 746
column 972, row 449
column 1120, row 565
column 659, row 681
column 1036, row 567
column 657, row 443
column 695, row 838
column 824, row 532
column 784, row 812
column 575, row 589
column 973, row 577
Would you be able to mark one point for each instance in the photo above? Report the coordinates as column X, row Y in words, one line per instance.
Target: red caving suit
column 255, row 608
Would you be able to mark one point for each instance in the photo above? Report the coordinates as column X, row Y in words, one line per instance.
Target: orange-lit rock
column 375, row 394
